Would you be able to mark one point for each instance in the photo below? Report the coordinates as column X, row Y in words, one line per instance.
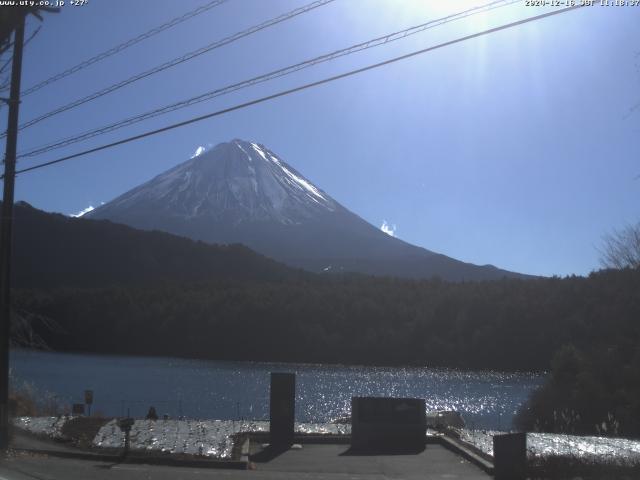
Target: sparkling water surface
column 204, row 389
column 542, row 445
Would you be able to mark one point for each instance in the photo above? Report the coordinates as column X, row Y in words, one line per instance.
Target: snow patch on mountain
column 84, row 211
column 199, row 151
column 388, row 228
column 291, row 178
column 245, row 152
column 300, row 181
column 260, row 152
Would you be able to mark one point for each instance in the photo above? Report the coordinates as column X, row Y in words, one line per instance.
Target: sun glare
column 417, row 11
column 421, row 8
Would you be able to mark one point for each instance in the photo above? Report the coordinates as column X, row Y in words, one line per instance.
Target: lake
column 234, row 390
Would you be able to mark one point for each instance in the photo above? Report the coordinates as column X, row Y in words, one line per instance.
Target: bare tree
column 621, row 248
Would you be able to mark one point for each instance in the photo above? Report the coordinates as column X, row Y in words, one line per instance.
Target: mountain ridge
column 87, row 253
column 242, row 192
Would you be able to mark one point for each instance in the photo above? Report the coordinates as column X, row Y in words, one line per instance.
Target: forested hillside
column 508, row 324
column 52, row 250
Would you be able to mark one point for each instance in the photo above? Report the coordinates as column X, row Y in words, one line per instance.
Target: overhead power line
column 299, row 88
column 123, row 46
column 10, row 60
column 177, row 61
column 375, row 42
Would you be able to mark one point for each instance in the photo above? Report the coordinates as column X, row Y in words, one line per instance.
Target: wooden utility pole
column 12, row 19
column 6, row 231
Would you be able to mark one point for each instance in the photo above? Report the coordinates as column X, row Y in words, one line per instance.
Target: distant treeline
column 508, row 324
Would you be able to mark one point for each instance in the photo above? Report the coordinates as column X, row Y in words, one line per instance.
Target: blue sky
column 520, row 149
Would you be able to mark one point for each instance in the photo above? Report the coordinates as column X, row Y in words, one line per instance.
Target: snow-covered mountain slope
column 241, row 192
column 236, row 181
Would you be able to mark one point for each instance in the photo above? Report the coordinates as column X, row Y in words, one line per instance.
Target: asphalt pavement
column 313, row 462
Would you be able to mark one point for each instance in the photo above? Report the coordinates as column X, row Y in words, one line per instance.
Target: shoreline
column 224, row 440
column 436, row 368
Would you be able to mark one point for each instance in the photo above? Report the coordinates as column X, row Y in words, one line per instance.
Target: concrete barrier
column 282, row 408
column 388, row 423
column 510, row 456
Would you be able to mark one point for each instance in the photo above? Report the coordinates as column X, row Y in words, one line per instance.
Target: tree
column 621, row 248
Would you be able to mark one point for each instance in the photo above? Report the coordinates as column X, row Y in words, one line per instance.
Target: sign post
column 88, row 400
column 125, row 425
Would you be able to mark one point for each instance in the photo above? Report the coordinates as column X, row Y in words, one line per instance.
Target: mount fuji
column 241, row 192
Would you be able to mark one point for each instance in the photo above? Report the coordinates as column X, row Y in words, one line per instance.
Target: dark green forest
column 508, row 324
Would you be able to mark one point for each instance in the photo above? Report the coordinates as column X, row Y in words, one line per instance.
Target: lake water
column 233, row 390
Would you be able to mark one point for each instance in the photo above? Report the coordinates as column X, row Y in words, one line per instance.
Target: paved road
column 312, row 462
column 27, row 441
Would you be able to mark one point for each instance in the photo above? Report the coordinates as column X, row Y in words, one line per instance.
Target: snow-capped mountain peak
column 242, row 192
column 238, row 179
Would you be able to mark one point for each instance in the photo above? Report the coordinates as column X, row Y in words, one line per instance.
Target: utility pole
column 6, row 223
column 12, row 19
